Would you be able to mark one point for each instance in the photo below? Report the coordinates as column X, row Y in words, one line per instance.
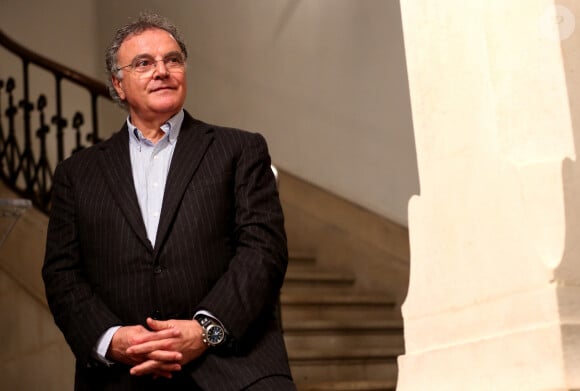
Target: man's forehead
column 142, row 38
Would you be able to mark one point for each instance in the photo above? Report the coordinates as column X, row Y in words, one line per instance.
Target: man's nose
column 160, row 70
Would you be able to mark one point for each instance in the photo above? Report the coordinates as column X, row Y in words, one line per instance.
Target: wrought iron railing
column 30, row 144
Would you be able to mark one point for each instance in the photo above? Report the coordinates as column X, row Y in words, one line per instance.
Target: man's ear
column 118, row 87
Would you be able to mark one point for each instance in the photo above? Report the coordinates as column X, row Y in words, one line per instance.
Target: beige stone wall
column 34, row 355
column 493, row 298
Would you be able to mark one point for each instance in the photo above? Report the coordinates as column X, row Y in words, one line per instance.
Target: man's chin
column 166, row 106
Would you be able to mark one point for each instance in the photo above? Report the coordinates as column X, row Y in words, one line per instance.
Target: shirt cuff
column 102, row 346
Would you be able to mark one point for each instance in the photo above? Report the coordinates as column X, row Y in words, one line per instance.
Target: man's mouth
column 161, row 88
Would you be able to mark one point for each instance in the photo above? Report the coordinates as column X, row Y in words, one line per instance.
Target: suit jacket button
column 157, row 270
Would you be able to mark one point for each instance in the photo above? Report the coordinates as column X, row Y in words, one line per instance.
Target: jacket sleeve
column 251, row 285
column 78, row 312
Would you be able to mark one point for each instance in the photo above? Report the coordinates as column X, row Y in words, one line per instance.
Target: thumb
column 158, row 325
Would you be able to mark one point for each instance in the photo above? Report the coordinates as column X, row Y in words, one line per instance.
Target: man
column 166, row 248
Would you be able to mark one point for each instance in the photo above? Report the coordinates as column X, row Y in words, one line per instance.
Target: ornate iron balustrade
column 30, row 144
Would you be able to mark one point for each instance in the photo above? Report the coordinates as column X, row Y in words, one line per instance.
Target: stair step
column 301, row 258
column 325, row 307
column 365, row 353
column 340, row 340
column 310, row 274
column 363, row 385
column 374, row 300
column 316, row 325
column 358, row 367
column 317, row 281
column 340, row 335
column 299, row 278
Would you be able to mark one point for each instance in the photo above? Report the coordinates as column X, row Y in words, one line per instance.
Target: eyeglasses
column 143, row 64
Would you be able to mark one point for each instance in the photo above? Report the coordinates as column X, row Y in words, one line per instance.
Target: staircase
column 338, row 339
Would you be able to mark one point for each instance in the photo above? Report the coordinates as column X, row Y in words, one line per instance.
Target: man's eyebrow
column 147, row 55
column 141, row 56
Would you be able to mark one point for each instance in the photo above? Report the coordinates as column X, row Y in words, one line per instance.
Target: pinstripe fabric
column 220, row 246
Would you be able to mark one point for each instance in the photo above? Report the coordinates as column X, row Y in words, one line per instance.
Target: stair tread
column 336, row 299
column 369, row 353
column 313, row 274
column 343, row 324
column 363, row 385
column 301, row 257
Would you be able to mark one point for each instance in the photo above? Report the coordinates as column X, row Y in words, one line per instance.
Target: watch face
column 215, row 334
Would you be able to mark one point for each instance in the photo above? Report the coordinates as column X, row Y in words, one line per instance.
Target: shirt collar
column 171, row 128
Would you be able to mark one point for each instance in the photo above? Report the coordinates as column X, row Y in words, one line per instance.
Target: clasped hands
column 160, row 351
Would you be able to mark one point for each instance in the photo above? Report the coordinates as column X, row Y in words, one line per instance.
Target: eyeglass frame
column 133, row 66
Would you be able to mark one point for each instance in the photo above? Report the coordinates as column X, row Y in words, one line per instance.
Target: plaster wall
column 494, row 267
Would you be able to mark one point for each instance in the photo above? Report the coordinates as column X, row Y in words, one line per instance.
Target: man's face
column 159, row 93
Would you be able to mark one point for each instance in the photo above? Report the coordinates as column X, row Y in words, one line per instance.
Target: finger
column 153, row 367
column 150, row 346
column 165, row 356
column 158, row 325
column 156, row 336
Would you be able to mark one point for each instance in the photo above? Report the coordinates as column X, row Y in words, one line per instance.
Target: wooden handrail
column 58, row 69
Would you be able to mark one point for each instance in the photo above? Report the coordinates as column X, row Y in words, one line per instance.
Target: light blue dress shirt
column 150, row 163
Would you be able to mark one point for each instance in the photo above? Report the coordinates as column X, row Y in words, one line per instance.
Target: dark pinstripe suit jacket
column 220, row 246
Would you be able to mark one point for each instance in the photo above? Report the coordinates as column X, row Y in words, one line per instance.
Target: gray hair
column 145, row 21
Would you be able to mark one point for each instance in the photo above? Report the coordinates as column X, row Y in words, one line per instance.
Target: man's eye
column 173, row 60
column 143, row 63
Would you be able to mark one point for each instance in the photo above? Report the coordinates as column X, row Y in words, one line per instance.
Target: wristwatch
column 213, row 332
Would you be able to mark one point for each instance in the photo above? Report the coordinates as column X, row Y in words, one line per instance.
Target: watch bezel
column 217, row 337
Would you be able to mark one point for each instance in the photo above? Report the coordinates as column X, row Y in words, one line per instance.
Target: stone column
column 494, row 292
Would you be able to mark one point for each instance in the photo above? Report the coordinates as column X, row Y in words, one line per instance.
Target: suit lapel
column 116, row 163
column 194, row 139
